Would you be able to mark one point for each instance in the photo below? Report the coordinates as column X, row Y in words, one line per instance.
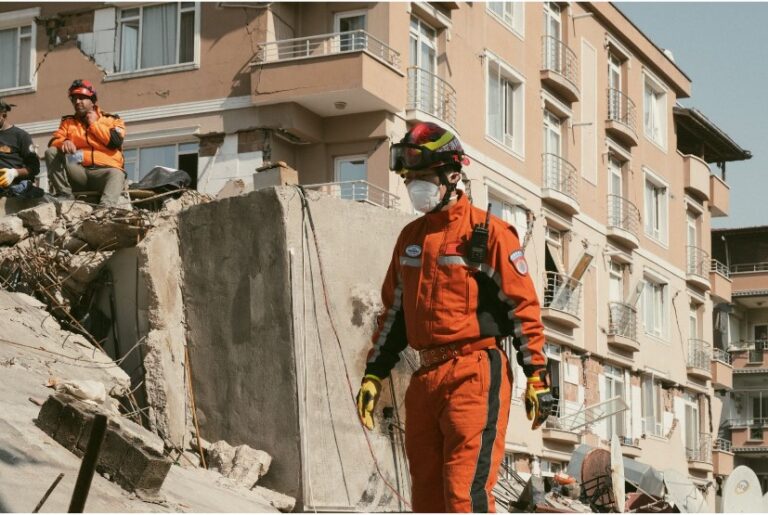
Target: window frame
column 156, row 70
column 656, row 405
column 516, row 21
column 660, row 95
column 656, row 290
column 18, row 20
column 137, row 161
column 513, row 84
column 659, row 214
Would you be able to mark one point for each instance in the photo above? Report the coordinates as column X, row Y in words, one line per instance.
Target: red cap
column 82, row 87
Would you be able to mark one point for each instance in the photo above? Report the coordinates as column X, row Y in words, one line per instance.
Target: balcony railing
column 718, row 267
column 558, row 57
column 700, row 450
column 622, row 109
column 754, row 422
column 560, row 175
column 360, row 191
column 746, row 268
column 721, row 444
column 699, row 354
column 721, row 356
column 698, row 262
column 623, row 214
column 429, row 93
column 740, row 345
column 326, row 44
column 623, row 320
column 563, row 293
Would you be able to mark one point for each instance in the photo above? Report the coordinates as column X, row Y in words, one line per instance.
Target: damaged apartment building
column 574, row 124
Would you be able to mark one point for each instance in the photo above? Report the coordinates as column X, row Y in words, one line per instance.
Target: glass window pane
column 8, row 56
column 156, row 156
column 495, row 127
column 129, row 13
column 187, row 37
column 158, row 36
column 129, row 46
column 352, row 170
column 188, row 148
column 25, row 53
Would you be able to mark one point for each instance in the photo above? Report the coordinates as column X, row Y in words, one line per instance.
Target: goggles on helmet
column 410, row 156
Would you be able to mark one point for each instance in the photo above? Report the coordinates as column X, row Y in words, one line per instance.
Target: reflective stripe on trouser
column 456, row 421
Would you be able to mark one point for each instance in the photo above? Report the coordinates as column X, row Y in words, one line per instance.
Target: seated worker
column 19, row 163
column 85, row 153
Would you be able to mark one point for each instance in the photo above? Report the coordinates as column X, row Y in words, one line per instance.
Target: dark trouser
column 66, row 176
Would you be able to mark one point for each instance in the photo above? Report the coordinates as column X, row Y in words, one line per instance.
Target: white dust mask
column 425, row 196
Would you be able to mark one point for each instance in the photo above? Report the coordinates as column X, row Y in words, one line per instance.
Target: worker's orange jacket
column 434, row 296
column 101, row 142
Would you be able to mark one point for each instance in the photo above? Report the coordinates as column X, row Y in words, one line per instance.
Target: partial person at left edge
column 19, row 164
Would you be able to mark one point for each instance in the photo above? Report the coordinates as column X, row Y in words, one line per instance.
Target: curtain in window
column 158, row 36
column 648, row 110
column 8, row 59
column 494, row 101
column 129, row 45
column 650, row 219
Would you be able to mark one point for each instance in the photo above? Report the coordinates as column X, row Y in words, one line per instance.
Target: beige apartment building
column 740, row 258
column 570, row 117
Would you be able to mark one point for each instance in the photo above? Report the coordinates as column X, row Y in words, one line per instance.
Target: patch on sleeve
column 517, row 258
column 413, row 251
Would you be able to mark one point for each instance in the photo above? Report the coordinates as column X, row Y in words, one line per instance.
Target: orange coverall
column 457, row 410
column 101, row 141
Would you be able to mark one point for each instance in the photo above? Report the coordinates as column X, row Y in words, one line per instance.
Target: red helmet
column 427, row 145
column 82, row 87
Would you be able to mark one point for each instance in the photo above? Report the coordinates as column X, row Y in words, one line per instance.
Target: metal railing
column 326, row 44
column 721, row 444
column 718, row 267
column 563, row 293
column 700, row 450
column 560, row 175
column 742, row 345
column 698, row 262
column 623, row 214
column 622, row 320
column 747, row 422
column 558, row 57
column 699, row 354
column 746, row 268
column 622, row 109
column 360, row 191
column 429, row 93
column 722, row 356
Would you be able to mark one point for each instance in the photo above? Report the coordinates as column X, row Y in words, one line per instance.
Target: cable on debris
column 305, row 206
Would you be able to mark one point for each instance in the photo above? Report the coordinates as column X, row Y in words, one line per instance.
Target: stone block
column 48, row 417
column 113, row 451
column 85, row 434
column 85, row 267
column 74, row 210
column 279, row 174
column 233, row 188
column 249, row 465
column 71, row 422
column 39, row 218
column 143, row 470
column 12, row 229
column 106, row 235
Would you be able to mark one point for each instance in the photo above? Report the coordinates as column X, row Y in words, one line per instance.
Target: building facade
column 741, row 336
column 569, row 115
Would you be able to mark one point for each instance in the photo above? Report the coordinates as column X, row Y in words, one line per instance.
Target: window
column 422, row 59
column 693, row 320
column 157, row 35
column 513, row 214
column 692, row 447
column 182, row 156
column 17, row 51
column 555, row 370
column 507, row 466
column 655, row 308
column 653, row 407
column 510, row 14
column 616, row 282
column 615, row 387
column 549, row 468
column 655, row 111
column 553, row 55
column 352, row 172
column 351, row 23
column 504, row 106
column 655, row 209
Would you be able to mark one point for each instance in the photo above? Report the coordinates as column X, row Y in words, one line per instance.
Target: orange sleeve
column 60, row 135
column 108, row 130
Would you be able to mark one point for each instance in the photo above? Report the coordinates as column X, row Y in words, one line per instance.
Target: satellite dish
column 765, row 503
column 595, row 479
column 683, row 493
column 617, row 475
column 741, row 492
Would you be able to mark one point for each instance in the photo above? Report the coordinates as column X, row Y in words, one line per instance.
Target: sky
column 723, row 48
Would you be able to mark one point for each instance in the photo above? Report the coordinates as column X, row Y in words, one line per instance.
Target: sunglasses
column 410, row 156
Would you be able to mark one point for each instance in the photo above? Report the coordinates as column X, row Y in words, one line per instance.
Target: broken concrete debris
column 242, row 464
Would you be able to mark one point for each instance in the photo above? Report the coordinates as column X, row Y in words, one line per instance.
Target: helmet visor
column 408, row 156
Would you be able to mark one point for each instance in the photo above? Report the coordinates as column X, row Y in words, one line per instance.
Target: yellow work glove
column 7, row 176
column 539, row 401
column 367, row 398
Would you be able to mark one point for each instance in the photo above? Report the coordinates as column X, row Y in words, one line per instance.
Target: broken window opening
column 181, row 156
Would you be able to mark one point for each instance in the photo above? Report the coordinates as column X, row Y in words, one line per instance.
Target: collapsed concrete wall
column 268, row 369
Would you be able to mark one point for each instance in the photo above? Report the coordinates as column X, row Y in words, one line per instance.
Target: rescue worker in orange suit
column 453, row 296
column 85, row 153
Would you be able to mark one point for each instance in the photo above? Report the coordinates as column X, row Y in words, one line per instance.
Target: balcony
column 623, row 222
column 562, row 300
column 749, row 277
column 699, row 455
column 722, row 457
column 697, row 174
column 699, row 357
column 358, row 191
column 622, row 118
column 559, row 68
column 749, row 356
column 722, row 370
column 429, row 94
column 697, row 267
column 719, row 196
column 748, row 435
column 554, row 433
column 559, row 183
column 630, row 447
column 720, row 282
column 622, row 326
column 350, row 67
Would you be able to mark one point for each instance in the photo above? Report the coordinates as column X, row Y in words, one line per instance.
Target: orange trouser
column 456, row 419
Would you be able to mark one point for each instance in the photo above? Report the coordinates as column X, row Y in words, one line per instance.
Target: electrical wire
column 305, row 206
column 116, row 363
